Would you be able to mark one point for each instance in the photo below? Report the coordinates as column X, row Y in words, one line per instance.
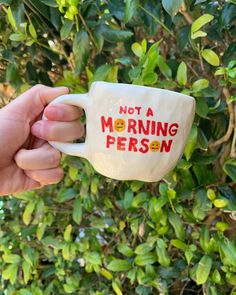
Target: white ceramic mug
column 132, row 132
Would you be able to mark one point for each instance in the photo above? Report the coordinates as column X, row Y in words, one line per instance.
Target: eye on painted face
column 119, row 125
column 154, row 146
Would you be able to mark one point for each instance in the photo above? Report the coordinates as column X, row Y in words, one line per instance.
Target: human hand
column 27, row 161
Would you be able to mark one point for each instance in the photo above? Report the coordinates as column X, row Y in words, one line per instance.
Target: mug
column 132, row 132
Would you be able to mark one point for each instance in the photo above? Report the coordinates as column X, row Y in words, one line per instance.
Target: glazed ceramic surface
column 132, row 132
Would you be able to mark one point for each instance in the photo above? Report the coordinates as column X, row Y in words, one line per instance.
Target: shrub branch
column 233, row 151
column 185, row 13
column 157, row 20
column 231, row 126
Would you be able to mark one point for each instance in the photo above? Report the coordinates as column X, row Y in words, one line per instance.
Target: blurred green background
column 96, row 236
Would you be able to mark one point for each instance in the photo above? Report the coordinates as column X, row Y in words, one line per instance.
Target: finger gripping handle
column 73, row 149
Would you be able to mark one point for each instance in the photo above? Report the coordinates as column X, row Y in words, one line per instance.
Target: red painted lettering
column 162, row 129
column 138, row 110
column 166, row 146
column 132, row 144
column 106, row 124
column 132, row 126
column 123, row 110
column 121, row 143
column 149, row 112
column 173, row 129
column 143, row 129
column 144, row 148
column 110, row 140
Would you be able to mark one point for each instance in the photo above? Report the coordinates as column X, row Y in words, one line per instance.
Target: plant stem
column 77, row 23
column 88, row 30
column 226, row 137
column 157, row 20
column 185, row 13
column 233, row 146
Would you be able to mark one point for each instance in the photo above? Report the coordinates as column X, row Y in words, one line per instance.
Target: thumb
column 31, row 103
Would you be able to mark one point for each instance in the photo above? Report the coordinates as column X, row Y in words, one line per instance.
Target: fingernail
column 64, row 88
column 37, row 129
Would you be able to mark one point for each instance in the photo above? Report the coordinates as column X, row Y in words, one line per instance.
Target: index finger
column 31, row 103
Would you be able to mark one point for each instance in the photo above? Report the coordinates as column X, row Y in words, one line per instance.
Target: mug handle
column 73, row 149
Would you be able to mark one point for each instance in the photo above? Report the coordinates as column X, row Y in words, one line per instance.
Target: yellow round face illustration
column 119, row 125
column 154, row 146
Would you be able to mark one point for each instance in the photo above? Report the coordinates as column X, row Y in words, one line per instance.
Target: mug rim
column 147, row 87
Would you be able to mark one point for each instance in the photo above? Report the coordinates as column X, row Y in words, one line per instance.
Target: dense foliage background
column 96, row 236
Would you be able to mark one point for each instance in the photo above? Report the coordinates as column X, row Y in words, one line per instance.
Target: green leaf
column 81, row 49
column 220, row 203
column 216, row 277
column 130, row 9
column 201, row 205
column 230, row 169
column 221, row 226
column 176, row 222
column 26, row 271
column 77, row 211
column 136, row 185
column 143, row 249
column 40, row 230
column 11, row 19
column 163, row 66
column 125, row 250
column 67, row 233
column 28, row 212
column 66, row 29
column 102, row 73
column 140, row 199
column 201, row 107
column 172, row 6
column 162, row 254
column 150, row 79
column 66, row 195
column 200, row 22
column 211, row 194
column 119, row 265
column 227, row 252
column 182, row 74
column 137, row 49
column 203, row 269
column 51, row 3
column 128, row 199
column 211, row 57
column 66, row 251
column 32, row 31
column 11, row 258
column 179, row 244
column 116, row 288
column 145, row 259
column 204, row 238
column 198, row 34
column 188, row 255
column 200, row 85
column 114, row 35
column 191, row 143
column 104, row 272
column 10, row 273
column 18, row 37
column 93, row 257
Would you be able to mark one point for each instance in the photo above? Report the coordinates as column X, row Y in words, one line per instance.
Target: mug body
column 136, row 132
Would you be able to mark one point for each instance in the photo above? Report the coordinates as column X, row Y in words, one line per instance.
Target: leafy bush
column 92, row 235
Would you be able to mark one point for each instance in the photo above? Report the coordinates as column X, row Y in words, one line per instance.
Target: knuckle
column 55, row 157
column 38, row 87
